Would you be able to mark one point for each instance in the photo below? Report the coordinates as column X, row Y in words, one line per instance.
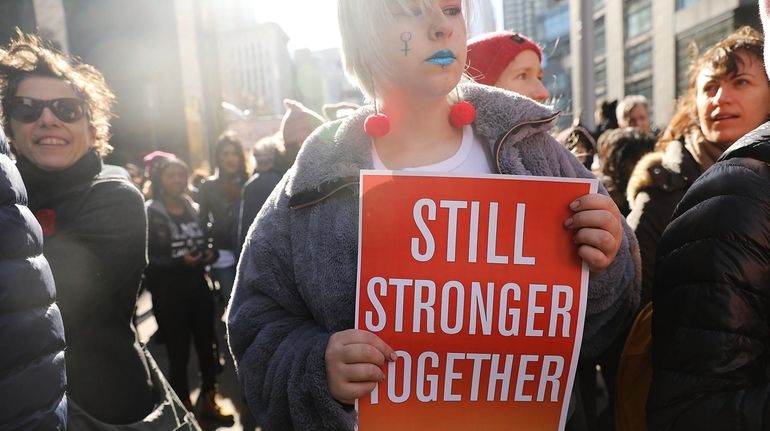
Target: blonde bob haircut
column 361, row 25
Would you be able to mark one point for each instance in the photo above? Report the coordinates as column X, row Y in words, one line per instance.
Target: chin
column 724, row 140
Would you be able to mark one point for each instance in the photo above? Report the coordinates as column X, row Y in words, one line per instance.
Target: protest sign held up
column 477, row 285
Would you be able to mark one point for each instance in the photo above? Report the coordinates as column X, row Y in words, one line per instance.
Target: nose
column 440, row 27
column 47, row 117
column 541, row 93
column 722, row 95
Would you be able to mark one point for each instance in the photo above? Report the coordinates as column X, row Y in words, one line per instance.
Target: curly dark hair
column 620, row 149
column 29, row 56
column 724, row 59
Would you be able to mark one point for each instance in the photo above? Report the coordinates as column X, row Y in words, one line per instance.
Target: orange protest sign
column 477, row 285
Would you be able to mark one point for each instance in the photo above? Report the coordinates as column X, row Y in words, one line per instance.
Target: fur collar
column 335, row 153
column 671, row 169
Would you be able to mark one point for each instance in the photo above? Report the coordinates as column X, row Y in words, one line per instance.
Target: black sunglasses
column 29, row 110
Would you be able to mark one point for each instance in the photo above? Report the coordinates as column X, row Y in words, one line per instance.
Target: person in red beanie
column 507, row 60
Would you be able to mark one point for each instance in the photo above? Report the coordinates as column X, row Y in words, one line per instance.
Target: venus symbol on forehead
column 406, row 37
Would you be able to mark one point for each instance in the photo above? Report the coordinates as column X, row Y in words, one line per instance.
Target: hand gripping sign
column 478, row 287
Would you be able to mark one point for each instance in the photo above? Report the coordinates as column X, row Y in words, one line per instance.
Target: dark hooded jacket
column 656, row 186
column 711, row 321
column 96, row 245
column 32, row 375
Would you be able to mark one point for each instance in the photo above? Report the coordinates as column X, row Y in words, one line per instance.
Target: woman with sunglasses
column 291, row 317
column 57, row 115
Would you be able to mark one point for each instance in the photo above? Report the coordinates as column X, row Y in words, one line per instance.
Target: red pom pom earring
column 377, row 125
column 461, row 114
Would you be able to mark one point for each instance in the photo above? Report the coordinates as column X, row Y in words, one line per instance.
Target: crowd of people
column 676, row 239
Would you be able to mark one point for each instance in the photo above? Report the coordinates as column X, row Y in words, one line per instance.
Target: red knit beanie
column 489, row 54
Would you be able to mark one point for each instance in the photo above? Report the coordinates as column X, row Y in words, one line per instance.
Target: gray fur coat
column 297, row 275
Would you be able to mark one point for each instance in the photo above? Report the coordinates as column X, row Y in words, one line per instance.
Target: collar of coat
column 755, row 144
column 334, row 154
column 667, row 170
column 157, row 205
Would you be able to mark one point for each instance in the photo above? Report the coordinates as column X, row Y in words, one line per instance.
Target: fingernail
column 393, row 356
column 575, row 205
column 568, row 222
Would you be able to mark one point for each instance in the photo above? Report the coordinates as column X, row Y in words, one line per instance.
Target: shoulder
column 648, row 172
column 742, row 180
column 12, row 188
column 334, row 151
column 663, row 171
column 115, row 189
column 208, row 184
column 499, row 112
column 107, row 204
column 20, row 232
column 262, row 179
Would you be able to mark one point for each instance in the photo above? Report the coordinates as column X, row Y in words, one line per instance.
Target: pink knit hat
column 489, row 54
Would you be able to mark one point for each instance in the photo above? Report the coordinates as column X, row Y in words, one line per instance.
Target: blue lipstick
column 443, row 57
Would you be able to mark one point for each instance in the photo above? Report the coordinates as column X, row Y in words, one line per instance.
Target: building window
column 600, row 36
column 689, row 45
column 638, row 18
column 600, row 78
column 638, row 58
column 681, row 4
column 556, row 23
column 600, row 73
column 643, row 87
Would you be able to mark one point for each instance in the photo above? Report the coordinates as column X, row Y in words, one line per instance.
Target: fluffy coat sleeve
column 278, row 347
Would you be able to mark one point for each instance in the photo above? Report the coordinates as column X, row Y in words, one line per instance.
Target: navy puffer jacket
column 32, row 375
column 711, row 299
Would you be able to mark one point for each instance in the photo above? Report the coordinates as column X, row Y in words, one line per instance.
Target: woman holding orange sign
column 293, row 308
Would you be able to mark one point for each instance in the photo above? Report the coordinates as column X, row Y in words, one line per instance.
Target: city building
column 321, row 79
column 482, row 19
column 547, row 22
column 639, row 46
column 646, row 46
column 524, row 16
column 255, row 66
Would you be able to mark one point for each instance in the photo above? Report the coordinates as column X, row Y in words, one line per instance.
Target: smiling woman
column 57, row 113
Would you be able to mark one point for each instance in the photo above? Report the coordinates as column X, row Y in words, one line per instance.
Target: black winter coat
column 657, row 184
column 97, row 252
column 32, row 376
column 711, row 321
column 164, row 271
column 255, row 193
column 219, row 215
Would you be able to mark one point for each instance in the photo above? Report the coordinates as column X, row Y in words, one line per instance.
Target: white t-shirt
column 471, row 158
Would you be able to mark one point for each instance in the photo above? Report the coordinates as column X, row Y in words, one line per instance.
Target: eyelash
column 448, row 11
column 453, row 11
